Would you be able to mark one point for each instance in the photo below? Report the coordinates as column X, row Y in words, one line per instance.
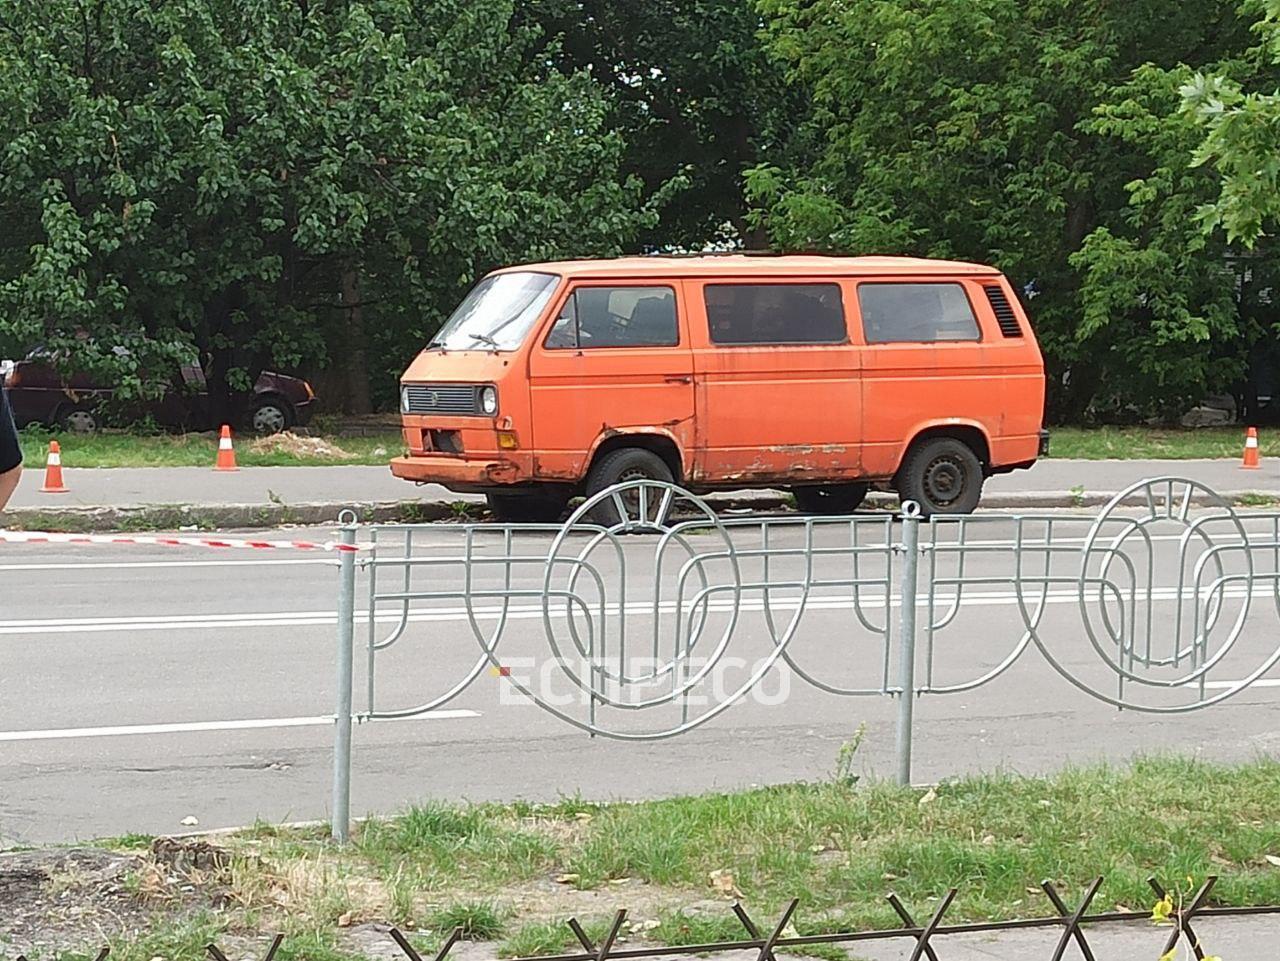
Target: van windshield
column 498, row 313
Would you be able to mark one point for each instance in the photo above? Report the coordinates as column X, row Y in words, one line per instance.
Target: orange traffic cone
column 1251, row 450
column 53, row 471
column 226, row 453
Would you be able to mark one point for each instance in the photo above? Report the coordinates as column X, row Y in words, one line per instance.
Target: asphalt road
column 135, row 693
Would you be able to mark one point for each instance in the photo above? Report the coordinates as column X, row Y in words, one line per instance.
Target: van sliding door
column 777, row 376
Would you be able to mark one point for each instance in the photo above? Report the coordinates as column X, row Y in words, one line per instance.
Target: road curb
column 87, row 520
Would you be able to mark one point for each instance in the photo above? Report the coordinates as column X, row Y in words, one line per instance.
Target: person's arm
column 9, row 484
column 10, row 452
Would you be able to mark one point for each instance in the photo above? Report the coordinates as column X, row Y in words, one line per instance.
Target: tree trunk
column 216, row 320
column 355, row 361
column 753, row 238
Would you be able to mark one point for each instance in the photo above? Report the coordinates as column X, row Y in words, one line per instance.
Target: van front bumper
column 458, row 474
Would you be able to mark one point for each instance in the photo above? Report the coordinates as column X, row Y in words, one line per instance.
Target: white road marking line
column 193, row 622
column 139, row 565
column 196, row 727
column 1228, row 685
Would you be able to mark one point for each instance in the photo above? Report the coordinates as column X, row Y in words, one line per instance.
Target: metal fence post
column 907, row 637
column 341, row 816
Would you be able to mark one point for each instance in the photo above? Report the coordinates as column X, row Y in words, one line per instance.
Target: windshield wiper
column 484, row 339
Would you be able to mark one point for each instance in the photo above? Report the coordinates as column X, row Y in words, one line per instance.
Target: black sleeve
column 10, row 451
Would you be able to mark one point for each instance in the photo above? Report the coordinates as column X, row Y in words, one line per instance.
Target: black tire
column 544, row 506
column 620, row 466
column 829, row 499
column 942, row 475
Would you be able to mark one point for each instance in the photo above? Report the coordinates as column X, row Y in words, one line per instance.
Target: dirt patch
column 296, row 445
column 56, row 899
column 79, row 898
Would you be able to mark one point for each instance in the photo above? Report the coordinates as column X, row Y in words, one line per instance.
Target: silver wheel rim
column 82, row 422
column 268, row 419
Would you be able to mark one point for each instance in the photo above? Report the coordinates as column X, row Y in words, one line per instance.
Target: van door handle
column 678, row 379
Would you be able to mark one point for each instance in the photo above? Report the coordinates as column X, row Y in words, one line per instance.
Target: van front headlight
column 404, row 400
column 489, row 400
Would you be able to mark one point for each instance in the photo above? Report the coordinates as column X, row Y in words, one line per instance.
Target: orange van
column 821, row 375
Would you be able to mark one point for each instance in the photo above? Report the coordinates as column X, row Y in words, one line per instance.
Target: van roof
column 737, row 265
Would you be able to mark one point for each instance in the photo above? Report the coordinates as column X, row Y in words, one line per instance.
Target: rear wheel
column 542, row 506
column 943, row 475
column 829, row 499
column 619, row 467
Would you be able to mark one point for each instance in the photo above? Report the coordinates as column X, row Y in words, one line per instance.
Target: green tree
column 692, row 92
column 1242, row 137
column 283, row 181
column 1240, row 151
column 1039, row 135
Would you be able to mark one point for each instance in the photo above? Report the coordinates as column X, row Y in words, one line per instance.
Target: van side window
column 775, row 313
column 916, row 313
column 616, row 317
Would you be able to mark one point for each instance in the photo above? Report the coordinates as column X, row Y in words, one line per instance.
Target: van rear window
column 775, row 313
column 916, row 313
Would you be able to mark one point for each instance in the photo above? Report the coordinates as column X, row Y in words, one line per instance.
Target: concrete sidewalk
column 259, row 496
column 1233, row 939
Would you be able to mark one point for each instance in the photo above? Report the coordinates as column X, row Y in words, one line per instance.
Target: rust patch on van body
column 544, row 471
column 789, row 463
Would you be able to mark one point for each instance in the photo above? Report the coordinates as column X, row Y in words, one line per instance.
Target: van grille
column 1009, row 325
column 443, row 399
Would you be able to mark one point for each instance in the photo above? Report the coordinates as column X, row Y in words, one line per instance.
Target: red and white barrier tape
column 46, row 537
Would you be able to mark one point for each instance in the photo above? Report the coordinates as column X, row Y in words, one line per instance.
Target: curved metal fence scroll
column 656, row 614
column 640, row 613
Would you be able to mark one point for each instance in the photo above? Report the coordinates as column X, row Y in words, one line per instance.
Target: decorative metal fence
column 927, row 939
column 644, row 597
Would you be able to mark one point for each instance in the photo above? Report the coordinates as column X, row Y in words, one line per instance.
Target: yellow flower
column 1160, row 913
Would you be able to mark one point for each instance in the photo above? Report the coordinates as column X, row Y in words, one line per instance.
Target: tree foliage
column 692, row 92
column 312, row 183
column 1242, row 138
column 253, row 178
column 1044, row 136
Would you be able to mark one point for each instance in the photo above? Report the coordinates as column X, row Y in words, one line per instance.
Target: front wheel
column 542, row 506
column 619, row 467
column 829, row 499
column 943, row 476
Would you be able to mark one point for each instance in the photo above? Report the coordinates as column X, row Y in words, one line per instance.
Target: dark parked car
column 39, row 395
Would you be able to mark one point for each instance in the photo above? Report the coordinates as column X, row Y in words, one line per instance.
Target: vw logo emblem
column 433, row 399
